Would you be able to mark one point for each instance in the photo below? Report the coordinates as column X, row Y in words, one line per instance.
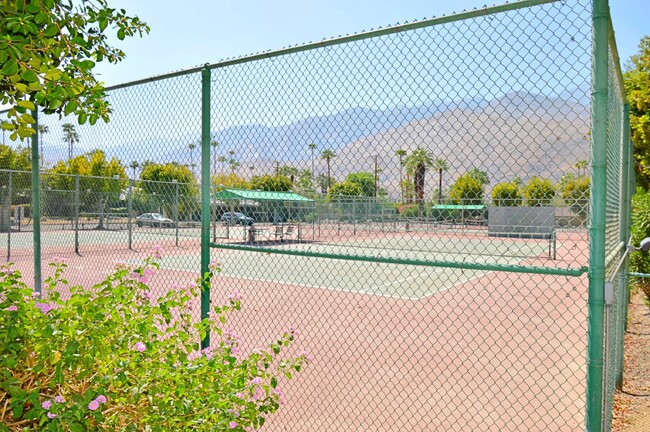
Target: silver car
column 154, row 220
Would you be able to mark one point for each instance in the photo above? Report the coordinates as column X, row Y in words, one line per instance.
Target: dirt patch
column 632, row 405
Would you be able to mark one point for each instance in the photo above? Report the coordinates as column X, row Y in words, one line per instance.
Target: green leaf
column 76, row 427
column 10, row 67
column 70, row 107
column 120, row 34
column 103, row 23
column 53, row 74
column 51, row 30
column 26, row 104
column 81, row 118
column 29, row 76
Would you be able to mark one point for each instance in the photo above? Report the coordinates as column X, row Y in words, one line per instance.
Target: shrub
column 640, row 262
column 539, row 192
column 468, row 190
column 507, row 195
column 114, row 358
column 344, row 189
column 575, row 193
column 409, row 211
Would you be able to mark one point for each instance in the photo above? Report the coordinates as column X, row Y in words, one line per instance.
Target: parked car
column 154, row 220
column 237, row 218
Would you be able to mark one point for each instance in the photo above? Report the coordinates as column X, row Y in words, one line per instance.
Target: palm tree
column 417, row 163
column 252, row 168
column 327, row 155
column 70, row 136
column 192, row 146
column 214, row 144
column 440, row 165
column 401, row 153
column 134, row 165
column 312, row 147
column 42, row 130
column 222, row 160
column 581, row 166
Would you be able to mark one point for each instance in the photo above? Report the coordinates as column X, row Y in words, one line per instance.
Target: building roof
column 458, row 207
column 257, row 195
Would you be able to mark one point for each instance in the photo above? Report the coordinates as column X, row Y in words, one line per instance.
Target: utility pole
column 376, row 175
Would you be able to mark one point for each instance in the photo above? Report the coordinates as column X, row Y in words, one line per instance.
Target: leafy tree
column 192, row 147
column 328, row 155
column 70, row 136
column 507, row 194
column 576, row 194
column 289, row 171
column 408, row 190
column 105, row 179
column 539, row 192
column 18, row 160
column 48, row 50
column 275, row 183
column 440, row 165
column 480, row 175
column 157, row 185
column 365, row 181
column 344, row 189
column 637, row 86
column 401, row 154
column 416, row 164
column 467, row 190
column 305, row 180
column 225, row 181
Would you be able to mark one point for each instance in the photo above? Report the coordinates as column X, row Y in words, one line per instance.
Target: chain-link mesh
column 415, row 202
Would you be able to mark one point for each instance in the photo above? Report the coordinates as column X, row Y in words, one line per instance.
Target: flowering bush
column 114, row 358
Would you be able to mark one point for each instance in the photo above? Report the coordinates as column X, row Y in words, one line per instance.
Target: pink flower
column 146, row 294
column 232, row 424
column 12, row 308
column 239, row 395
column 306, row 355
column 93, row 405
column 36, row 294
column 157, row 251
column 214, row 264
column 46, row 405
column 139, row 346
column 143, row 279
column 280, row 395
column 148, row 272
column 101, row 399
column 135, row 275
column 234, row 296
column 59, row 399
column 44, row 307
column 51, row 415
column 293, row 331
column 256, row 381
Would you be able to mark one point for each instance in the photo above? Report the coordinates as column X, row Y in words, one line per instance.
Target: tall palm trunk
column 329, row 177
column 440, row 186
column 418, row 184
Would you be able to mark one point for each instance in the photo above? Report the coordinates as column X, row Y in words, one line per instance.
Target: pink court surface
column 493, row 351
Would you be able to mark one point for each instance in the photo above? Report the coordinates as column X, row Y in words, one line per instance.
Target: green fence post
column 36, row 205
column 76, row 213
column 9, row 212
column 205, row 197
column 130, row 210
column 625, row 237
column 596, row 300
column 176, row 208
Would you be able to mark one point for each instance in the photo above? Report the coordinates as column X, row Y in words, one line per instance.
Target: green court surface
column 391, row 280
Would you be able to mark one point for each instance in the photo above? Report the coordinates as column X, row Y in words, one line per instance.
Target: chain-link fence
column 417, row 200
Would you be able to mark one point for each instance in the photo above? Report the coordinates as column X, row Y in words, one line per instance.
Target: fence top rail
column 398, row 28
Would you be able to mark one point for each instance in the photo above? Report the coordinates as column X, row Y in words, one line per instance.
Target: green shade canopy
column 458, row 207
column 257, row 195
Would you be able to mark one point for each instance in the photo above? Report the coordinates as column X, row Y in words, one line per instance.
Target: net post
column 205, row 199
column 596, row 303
column 76, row 214
column 36, row 205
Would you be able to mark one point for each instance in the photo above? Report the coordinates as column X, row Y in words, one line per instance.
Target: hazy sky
column 206, row 31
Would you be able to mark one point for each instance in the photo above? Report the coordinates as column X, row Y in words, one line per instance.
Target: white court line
column 377, row 287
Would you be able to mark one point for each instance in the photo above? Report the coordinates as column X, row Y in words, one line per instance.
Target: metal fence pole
column 213, row 212
column 625, row 237
column 8, row 210
column 36, row 205
column 130, row 210
column 176, row 208
column 596, row 301
column 205, row 198
column 76, row 213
